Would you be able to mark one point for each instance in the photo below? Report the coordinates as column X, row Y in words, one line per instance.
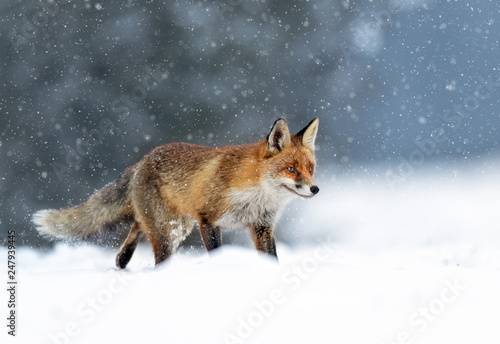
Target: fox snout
column 305, row 190
column 314, row 189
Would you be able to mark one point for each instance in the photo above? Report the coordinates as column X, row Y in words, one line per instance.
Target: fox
column 178, row 184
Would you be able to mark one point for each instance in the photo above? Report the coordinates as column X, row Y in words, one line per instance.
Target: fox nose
column 314, row 189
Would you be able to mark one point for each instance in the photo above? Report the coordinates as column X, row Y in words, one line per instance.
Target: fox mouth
column 295, row 192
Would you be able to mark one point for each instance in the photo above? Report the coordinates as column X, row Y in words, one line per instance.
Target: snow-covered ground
column 366, row 264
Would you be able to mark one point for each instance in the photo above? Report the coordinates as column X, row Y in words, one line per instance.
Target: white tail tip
column 40, row 219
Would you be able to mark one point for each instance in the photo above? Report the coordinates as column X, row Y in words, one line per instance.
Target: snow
column 415, row 264
column 411, row 260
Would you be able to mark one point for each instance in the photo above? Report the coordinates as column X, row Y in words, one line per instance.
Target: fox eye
column 310, row 170
column 292, row 169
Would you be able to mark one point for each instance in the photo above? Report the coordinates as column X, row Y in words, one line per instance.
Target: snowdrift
column 365, row 265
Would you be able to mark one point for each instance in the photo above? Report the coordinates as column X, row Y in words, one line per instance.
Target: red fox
column 176, row 184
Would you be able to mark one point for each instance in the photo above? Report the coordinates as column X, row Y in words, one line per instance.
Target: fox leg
column 162, row 247
column 210, row 234
column 129, row 246
column 156, row 227
column 263, row 239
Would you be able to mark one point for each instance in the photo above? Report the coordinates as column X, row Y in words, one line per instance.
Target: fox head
column 291, row 158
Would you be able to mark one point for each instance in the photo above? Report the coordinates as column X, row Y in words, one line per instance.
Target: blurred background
column 404, row 89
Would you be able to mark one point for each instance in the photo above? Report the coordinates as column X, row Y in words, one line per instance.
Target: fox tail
column 104, row 210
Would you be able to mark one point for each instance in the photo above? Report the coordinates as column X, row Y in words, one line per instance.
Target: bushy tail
column 105, row 209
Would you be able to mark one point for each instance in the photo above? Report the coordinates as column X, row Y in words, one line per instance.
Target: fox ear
column 307, row 135
column 279, row 137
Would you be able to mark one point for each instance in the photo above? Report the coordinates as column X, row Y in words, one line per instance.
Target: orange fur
column 177, row 184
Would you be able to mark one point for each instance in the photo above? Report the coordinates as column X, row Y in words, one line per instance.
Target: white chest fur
column 256, row 206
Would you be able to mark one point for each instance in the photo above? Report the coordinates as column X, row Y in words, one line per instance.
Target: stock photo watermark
column 12, row 284
column 153, row 78
column 122, row 106
column 263, row 309
column 31, row 25
column 453, row 119
column 88, row 310
column 83, row 147
column 223, row 7
column 420, row 320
